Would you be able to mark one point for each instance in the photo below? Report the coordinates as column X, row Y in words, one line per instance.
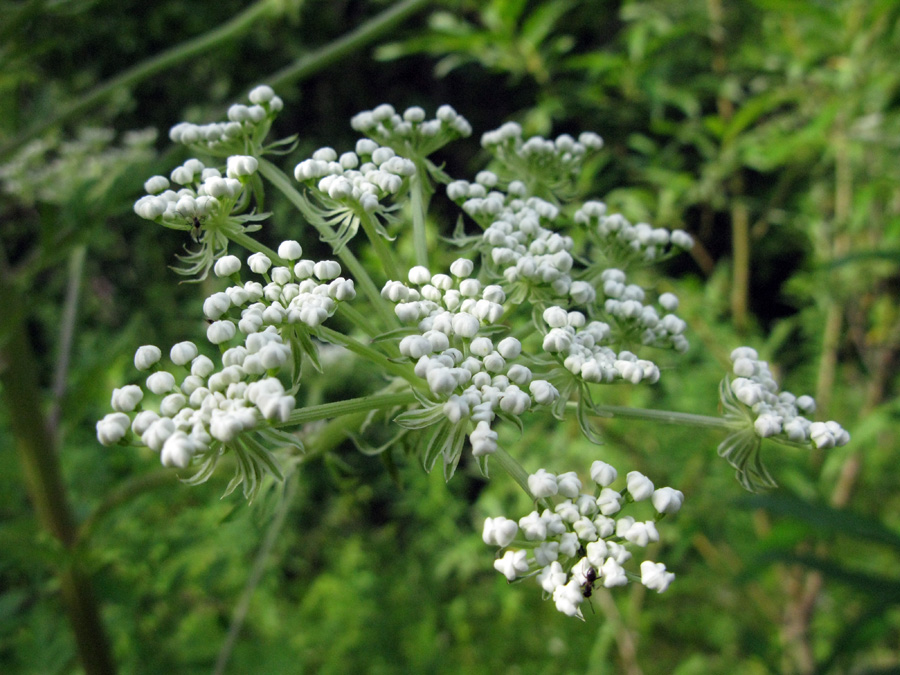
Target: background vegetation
column 769, row 130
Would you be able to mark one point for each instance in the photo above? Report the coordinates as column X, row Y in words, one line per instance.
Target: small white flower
column 546, row 553
column 567, row 598
column 112, row 428
column 259, row 263
column 542, row 484
column 157, row 433
column 603, row 474
column 597, row 552
column 462, row 268
column 161, row 382
column 146, row 356
column 183, row 352
column 512, row 564
column 220, row 331
column 499, row 531
column 551, row 576
column 533, row 527
column 585, row 529
column 202, row 366
column 639, row 486
column 641, row 534
column 465, row 325
column 241, row 165
column 227, row 265
column 156, row 184
column 126, row 398
column 569, row 484
column 177, row 450
column 613, row 574
column 655, row 577
column 483, row 440
column 667, row 500
column 569, row 544
column 609, row 501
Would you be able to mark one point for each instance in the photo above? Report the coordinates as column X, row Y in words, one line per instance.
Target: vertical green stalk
column 382, row 250
column 38, row 455
column 740, row 255
column 419, row 210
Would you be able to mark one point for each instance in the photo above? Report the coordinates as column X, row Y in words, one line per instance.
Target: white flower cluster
column 552, row 162
column 363, row 178
column 778, row 415
column 205, row 192
column 581, row 346
column 527, row 255
column 410, row 133
column 621, row 242
column 245, row 124
column 305, row 294
column 472, row 376
column 576, row 542
column 213, row 405
column 634, row 322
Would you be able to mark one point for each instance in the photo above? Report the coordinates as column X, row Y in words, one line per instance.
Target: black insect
column 196, row 230
column 589, row 578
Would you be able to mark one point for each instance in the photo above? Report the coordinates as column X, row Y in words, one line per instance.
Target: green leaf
column 824, row 517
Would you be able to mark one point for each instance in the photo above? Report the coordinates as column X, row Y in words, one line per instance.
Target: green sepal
column 421, row 418
column 207, row 467
column 452, row 449
column 435, row 447
column 582, row 413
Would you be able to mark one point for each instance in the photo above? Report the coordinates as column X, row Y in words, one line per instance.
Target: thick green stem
column 144, row 70
column 36, row 447
column 368, row 353
column 371, row 30
column 364, row 404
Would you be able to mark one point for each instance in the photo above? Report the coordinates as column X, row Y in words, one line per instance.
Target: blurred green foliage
column 769, row 130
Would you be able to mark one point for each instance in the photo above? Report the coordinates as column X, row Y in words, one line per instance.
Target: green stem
column 371, row 30
column 355, row 346
column 358, row 319
column 419, row 209
column 67, row 332
column 249, row 243
column 144, row 70
column 664, row 416
column 38, row 455
column 514, row 469
column 259, row 566
column 277, row 177
column 382, row 250
column 363, row 404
